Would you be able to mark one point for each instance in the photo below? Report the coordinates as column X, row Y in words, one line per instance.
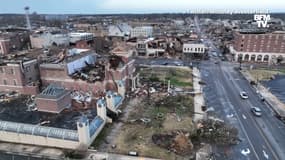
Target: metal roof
column 36, row 130
column 53, row 91
column 95, row 124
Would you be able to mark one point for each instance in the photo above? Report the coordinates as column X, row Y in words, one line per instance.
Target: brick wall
column 53, row 105
column 266, row 43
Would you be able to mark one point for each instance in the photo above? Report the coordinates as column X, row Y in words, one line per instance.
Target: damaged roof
column 53, row 91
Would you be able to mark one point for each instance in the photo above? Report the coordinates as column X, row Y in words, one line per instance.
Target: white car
column 243, row 95
column 256, row 111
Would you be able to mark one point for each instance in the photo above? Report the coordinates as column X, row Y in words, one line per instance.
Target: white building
column 194, row 48
column 47, row 39
column 78, row 36
column 120, row 30
column 144, row 31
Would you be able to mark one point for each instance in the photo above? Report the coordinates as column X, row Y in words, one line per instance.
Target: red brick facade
column 263, row 43
column 59, row 76
column 20, row 77
column 54, row 105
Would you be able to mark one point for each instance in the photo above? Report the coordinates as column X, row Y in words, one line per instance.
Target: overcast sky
column 139, row 6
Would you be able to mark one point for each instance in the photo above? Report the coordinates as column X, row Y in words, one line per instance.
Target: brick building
column 86, row 72
column 13, row 41
column 259, row 46
column 53, row 99
column 19, row 75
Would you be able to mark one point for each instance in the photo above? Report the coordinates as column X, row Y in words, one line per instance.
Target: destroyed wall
column 49, row 74
column 15, row 77
column 124, row 73
column 59, row 76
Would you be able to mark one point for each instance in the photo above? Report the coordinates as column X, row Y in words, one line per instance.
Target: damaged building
column 83, row 70
column 53, row 130
column 19, row 73
column 53, row 99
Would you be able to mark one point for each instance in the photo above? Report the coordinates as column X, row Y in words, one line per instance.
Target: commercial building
column 253, row 46
column 143, row 31
column 45, row 39
column 194, row 48
column 78, row 36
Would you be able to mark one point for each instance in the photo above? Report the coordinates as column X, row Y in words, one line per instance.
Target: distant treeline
column 19, row 19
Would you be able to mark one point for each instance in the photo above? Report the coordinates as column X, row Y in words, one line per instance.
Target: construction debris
column 91, row 73
column 216, row 131
column 176, row 141
column 204, row 153
column 81, row 97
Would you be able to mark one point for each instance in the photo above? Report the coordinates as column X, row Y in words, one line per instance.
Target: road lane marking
column 265, row 154
column 241, row 124
column 256, row 125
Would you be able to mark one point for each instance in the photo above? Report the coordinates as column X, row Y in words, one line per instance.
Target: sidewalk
column 271, row 99
column 94, row 155
column 198, row 98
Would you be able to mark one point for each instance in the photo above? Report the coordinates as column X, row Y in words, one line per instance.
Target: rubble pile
column 115, row 62
column 81, row 96
column 216, row 131
column 176, row 141
column 91, row 73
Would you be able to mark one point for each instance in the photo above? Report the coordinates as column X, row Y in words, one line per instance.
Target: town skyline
column 141, row 7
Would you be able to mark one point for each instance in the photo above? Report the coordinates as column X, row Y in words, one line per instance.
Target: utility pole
column 240, row 61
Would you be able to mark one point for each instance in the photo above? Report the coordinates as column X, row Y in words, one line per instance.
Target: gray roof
column 36, row 130
column 53, row 91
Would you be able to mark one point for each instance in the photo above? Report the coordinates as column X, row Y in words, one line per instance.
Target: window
column 5, row 82
column 10, row 71
column 15, row 82
column 1, row 70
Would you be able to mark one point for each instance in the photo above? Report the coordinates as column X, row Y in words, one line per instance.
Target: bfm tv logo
column 262, row 20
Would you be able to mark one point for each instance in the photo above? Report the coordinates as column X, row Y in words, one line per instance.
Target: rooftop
column 18, row 110
column 53, row 92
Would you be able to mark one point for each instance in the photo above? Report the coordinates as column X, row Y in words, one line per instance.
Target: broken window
column 10, row 71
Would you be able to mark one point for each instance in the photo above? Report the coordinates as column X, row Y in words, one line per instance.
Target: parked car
column 243, row 95
column 256, row 111
column 133, row 153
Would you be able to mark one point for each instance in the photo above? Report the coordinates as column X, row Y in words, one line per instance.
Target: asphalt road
column 264, row 136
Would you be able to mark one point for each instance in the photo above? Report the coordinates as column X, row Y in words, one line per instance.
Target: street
column 263, row 136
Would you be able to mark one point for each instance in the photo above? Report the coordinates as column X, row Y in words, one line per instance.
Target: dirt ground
column 136, row 135
column 160, row 114
column 265, row 74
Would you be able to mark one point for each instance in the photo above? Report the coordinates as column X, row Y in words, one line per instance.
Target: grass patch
column 175, row 81
column 101, row 137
